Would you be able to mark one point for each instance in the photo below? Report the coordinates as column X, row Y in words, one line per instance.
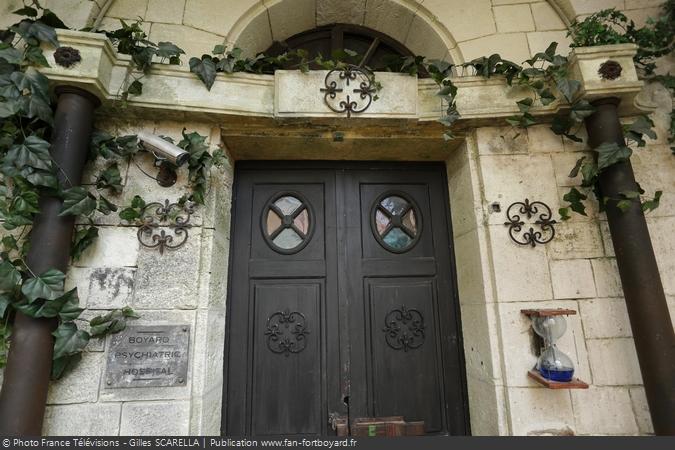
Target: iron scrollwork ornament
column 531, row 237
column 343, row 81
column 404, row 329
column 174, row 216
column 286, row 331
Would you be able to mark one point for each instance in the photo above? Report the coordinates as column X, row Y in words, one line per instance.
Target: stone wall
column 577, row 270
column 183, row 286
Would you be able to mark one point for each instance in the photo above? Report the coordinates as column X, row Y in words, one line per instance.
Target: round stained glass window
column 396, row 222
column 287, row 222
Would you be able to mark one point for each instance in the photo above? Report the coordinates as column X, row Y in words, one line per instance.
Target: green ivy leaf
column 568, row 88
column 564, row 213
column 5, row 301
column 546, row 96
column 9, row 276
column 575, row 170
column 640, row 128
column 110, row 179
column 168, row 49
column 26, row 202
column 611, row 153
column 589, row 173
column 63, row 365
column 35, row 55
column 77, row 201
column 52, row 308
column 524, row 105
column 624, row 205
column 9, row 243
column 129, row 214
column 48, row 286
column 581, row 109
column 652, row 204
column 574, row 197
column 112, row 322
column 32, row 152
column 137, row 202
column 82, row 239
column 10, row 54
column 135, row 88
column 218, row 50
column 205, row 69
column 26, row 11
column 105, row 206
column 69, row 340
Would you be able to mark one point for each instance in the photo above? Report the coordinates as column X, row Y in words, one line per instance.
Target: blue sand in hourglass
column 562, row 375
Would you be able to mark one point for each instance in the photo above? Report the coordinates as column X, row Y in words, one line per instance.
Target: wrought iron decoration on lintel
column 530, row 237
column 338, row 81
column 174, row 216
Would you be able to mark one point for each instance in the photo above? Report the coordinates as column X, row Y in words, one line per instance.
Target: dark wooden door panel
column 287, row 387
column 404, row 352
column 351, row 311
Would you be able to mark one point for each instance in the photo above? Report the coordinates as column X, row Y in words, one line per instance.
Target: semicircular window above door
column 396, row 222
column 287, row 222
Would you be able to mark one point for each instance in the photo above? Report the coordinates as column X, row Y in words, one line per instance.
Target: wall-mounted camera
column 168, row 156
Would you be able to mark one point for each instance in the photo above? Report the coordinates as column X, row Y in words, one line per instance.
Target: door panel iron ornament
column 340, row 81
column 404, row 329
column 530, row 236
column 174, row 216
column 286, row 331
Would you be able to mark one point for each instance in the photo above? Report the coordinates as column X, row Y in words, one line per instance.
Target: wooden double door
column 342, row 300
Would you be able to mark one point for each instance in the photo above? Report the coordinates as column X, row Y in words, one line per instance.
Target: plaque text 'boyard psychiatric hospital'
column 148, row 356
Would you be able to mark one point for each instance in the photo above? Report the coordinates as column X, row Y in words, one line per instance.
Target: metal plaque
column 148, row 356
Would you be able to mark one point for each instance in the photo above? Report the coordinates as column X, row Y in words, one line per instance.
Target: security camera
column 162, row 149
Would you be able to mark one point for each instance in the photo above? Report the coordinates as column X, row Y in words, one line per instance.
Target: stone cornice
column 172, row 91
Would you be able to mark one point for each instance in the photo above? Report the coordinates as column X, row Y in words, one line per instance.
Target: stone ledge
column 171, row 91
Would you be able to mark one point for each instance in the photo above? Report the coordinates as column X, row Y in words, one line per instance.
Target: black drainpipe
column 26, row 378
column 643, row 291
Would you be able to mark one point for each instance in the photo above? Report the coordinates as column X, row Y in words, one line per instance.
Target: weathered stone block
column 115, row 247
column 387, row 17
column 214, row 16
column 661, row 231
column 288, row 18
column 480, row 335
column 486, row 408
column 641, row 410
column 80, row 385
column 171, row 280
column 85, row 419
column 545, row 17
column 605, row 318
column 346, row 11
column 512, row 46
column 540, row 40
column 501, row 140
column 155, row 418
column 455, row 18
column 110, row 288
column 257, row 37
column 576, row 240
column 603, row 410
column 165, row 11
column 128, row 9
column 614, row 362
column 195, row 42
column 473, row 268
column 513, row 18
column 521, row 272
column 542, row 139
column 514, row 178
column 76, row 14
column 607, row 281
column 572, row 278
column 537, row 411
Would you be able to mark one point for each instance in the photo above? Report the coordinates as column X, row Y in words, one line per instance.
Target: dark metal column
column 643, row 291
column 26, row 378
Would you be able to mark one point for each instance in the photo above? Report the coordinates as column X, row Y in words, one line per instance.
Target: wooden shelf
column 548, row 312
column 574, row 384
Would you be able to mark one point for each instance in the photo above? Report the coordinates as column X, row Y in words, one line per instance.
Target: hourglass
column 554, row 368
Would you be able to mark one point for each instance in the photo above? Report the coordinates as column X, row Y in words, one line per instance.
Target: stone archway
column 404, row 20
